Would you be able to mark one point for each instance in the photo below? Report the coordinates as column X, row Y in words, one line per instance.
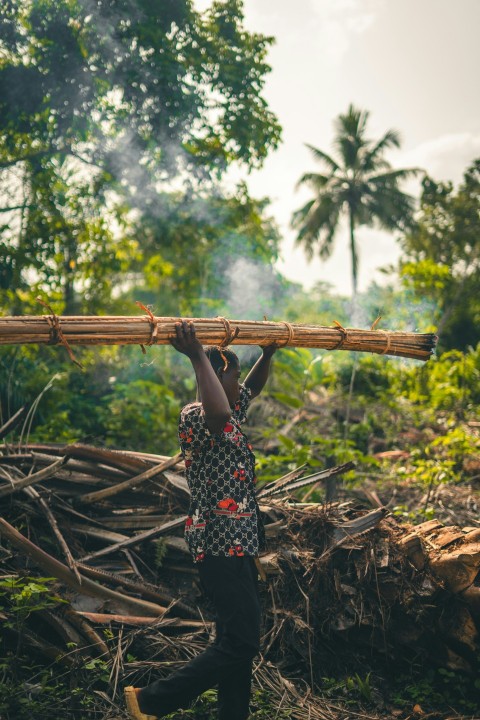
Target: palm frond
column 317, row 222
column 392, row 138
column 350, row 139
column 314, row 180
column 395, row 175
column 387, row 206
column 353, row 123
column 323, row 157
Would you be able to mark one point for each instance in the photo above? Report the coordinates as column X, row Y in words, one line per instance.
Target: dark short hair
column 220, row 358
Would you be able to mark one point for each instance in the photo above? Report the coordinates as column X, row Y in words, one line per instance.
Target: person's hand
column 269, row 350
column 185, row 340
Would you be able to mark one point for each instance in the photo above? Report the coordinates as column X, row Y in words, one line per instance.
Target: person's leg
column 234, row 689
column 230, row 584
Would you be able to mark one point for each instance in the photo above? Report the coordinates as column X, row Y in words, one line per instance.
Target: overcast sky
column 414, row 64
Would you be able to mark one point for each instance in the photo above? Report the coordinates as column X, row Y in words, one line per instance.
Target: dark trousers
column 232, row 585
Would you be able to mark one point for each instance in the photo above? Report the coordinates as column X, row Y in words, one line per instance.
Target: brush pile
column 152, row 330
column 342, row 585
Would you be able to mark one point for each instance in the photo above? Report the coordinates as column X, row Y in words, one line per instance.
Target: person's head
column 227, row 368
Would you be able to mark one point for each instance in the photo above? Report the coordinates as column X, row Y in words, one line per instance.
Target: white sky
column 414, row 64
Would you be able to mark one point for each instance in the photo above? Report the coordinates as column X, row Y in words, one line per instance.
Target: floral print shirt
column 223, row 518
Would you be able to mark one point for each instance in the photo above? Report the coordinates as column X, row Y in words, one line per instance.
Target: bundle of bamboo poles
column 151, row 330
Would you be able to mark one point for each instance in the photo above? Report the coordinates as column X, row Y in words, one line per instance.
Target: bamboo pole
column 152, row 330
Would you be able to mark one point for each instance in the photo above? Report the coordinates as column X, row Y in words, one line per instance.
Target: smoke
column 253, row 289
column 142, row 168
column 399, row 307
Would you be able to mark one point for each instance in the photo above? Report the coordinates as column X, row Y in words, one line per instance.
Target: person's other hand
column 185, row 340
column 269, row 350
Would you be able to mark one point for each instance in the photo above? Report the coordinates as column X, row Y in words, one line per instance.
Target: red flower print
column 236, row 550
column 188, row 521
column 228, row 504
column 228, row 428
column 188, row 463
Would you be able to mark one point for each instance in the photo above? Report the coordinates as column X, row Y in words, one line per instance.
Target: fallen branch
column 106, row 619
column 31, row 492
column 32, row 479
column 131, row 482
column 140, row 537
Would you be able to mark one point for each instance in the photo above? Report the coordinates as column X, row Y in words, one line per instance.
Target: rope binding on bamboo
column 343, row 335
column 290, row 335
column 230, row 334
column 153, row 326
column 56, row 334
column 148, row 329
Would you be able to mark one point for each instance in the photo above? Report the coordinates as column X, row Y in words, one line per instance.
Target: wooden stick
column 14, row 421
column 34, row 478
column 131, row 482
column 104, row 619
column 140, row 537
column 84, row 627
column 31, row 492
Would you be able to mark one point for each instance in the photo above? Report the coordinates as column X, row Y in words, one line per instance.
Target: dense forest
column 118, row 124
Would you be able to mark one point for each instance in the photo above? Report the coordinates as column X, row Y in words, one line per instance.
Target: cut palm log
column 152, row 330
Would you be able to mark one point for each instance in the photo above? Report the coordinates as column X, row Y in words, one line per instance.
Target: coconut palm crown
column 361, row 184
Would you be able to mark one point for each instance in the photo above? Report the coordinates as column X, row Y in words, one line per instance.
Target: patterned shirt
column 223, row 518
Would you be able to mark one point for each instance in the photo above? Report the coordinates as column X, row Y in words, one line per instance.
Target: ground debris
column 341, row 584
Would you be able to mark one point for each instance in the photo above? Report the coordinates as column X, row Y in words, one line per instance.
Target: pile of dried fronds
column 340, row 582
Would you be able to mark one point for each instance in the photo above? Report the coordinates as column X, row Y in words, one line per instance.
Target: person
column 224, row 532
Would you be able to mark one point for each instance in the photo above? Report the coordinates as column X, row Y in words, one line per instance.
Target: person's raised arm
column 258, row 375
column 215, row 404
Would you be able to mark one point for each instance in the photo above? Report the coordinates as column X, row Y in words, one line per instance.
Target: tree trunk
column 354, row 257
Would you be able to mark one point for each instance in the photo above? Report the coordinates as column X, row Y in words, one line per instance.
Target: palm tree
column 361, row 184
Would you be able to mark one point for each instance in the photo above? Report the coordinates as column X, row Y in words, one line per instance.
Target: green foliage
column 448, row 384
column 437, row 688
column 441, row 258
column 354, row 688
column 116, row 102
column 106, row 402
column 142, row 415
column 29, row 690
column 200, row 252
column 161, row 550
column 23, row 595
column 99, row 668
column 262, row 705
column 40, row 695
